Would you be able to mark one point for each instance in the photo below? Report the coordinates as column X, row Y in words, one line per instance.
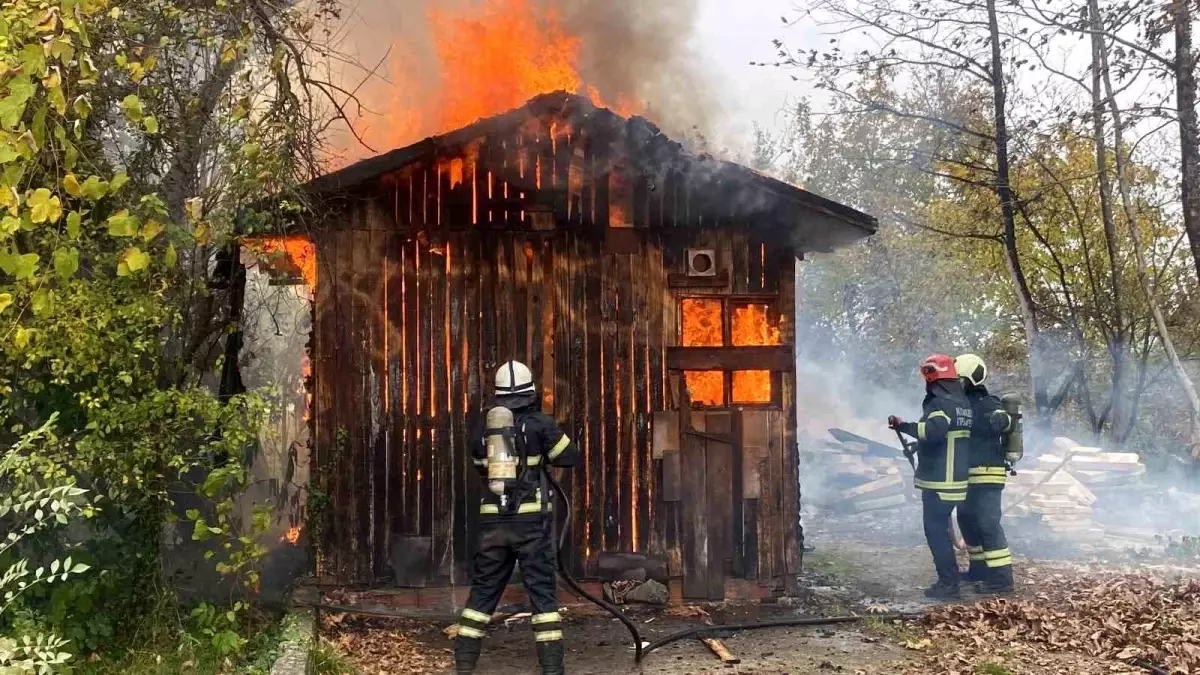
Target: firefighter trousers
column 502, row 544
column 979, row 519
column 935, row 516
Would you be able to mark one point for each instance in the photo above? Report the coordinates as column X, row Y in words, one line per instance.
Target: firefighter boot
column 466, row 654
column 550, row 655
column 999, row 581
column 943, row 590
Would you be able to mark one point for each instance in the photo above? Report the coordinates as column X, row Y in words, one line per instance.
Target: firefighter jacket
column 943, row 435
column 988, row 425
column 542, row 444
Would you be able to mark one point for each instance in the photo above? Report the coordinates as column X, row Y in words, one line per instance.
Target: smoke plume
column 417, row 59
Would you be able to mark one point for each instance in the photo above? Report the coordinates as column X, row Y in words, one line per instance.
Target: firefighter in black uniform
column 516, row 526
column 979, row 516
column 943, row 435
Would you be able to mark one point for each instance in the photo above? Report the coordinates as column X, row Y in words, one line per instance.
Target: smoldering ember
column 593, row 336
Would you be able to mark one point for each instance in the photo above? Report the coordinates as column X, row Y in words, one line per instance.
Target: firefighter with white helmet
column 518, row 445
column 992, row 449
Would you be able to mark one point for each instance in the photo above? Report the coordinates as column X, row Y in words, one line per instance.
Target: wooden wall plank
column 736, row 521
column 589, row 255
column 358, row 465
column 694, row 517
column 540, row 317
column 793, row 536
column 522, row 261
column 718, row 480
column 610, row 390
column 755, row 257
column 424, row 441
column 440, row 408
column 461, row 467
column 409, row 523
column 750, row 555
column 476, row 382
column 324, row 363
column 625, row 450
column 576, row 337
column 666, row 433
column 375, row 384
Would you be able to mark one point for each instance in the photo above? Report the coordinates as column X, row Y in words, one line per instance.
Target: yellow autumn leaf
column 71, row 185
column 151, row 229
column 6, row 299
column 44, row 207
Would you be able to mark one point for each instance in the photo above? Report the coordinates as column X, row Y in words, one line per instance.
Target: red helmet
column 938, row 367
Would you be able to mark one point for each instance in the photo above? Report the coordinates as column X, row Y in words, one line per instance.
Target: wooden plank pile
column 857, row 477
column 1060, row 487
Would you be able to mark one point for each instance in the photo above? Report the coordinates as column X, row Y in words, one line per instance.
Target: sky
column 732, row 34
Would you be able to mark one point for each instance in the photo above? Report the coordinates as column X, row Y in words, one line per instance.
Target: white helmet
column 972, row 368
column 514, row 379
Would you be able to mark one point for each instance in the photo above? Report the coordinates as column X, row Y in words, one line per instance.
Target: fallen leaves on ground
column 383, row 646
column 1134, row 619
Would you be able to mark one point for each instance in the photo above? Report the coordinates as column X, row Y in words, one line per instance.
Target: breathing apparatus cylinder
column 501, row 452
column 1014, row 448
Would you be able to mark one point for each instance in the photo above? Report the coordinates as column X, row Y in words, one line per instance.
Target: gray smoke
column 630, row 50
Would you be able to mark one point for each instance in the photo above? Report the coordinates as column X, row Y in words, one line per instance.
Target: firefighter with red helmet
column 979, row 515
column 943, row 457
column 518, row 446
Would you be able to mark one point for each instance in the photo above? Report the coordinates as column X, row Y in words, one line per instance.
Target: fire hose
column 641, row 649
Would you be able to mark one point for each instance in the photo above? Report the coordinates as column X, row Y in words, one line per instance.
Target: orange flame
column 703, row 326
column 492, row 58
column 752, row 328
column 297, row 250
column 292, row 536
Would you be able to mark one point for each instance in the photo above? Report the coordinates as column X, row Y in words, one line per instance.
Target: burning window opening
column 751, row 327
column 289, row 259
column 706, row 387
column 752, row 386
column 703, row 323
column 703, row 326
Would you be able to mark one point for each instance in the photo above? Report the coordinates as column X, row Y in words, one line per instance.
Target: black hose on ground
column 640, row 651
column 566, row 576
column 780, row 623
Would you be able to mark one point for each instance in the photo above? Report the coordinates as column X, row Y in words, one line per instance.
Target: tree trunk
column 1117, row 350
column 1139, row 257
column 1004, row 193
column 1189, row 129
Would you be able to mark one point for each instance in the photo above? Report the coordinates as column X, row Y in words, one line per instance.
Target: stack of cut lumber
column 1059, row 487
column 856, row 481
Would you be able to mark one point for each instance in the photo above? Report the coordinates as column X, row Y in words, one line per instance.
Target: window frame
column 728, row 303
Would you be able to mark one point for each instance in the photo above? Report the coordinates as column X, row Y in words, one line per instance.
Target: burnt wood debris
column 567, row 237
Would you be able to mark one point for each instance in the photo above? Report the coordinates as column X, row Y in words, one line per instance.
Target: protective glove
column 894, row 422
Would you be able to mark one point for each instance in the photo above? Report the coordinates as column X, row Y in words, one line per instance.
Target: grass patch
column 896, row 631
column 829, row 566
column 991, row 668
column 328, row 661
column 162, row 645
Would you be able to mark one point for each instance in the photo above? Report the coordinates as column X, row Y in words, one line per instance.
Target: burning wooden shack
column 651, row 291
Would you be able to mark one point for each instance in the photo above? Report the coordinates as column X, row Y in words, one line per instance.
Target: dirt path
column 842, row 576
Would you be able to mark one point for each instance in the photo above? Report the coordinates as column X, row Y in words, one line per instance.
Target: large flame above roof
column 490, row 59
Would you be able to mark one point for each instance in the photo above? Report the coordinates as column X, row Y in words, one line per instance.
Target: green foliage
column 32, row 505
column 132, row 137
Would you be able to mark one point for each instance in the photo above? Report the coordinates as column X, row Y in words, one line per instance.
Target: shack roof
column 811, row 222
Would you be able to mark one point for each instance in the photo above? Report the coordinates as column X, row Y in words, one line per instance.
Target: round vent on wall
column 701, row 262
